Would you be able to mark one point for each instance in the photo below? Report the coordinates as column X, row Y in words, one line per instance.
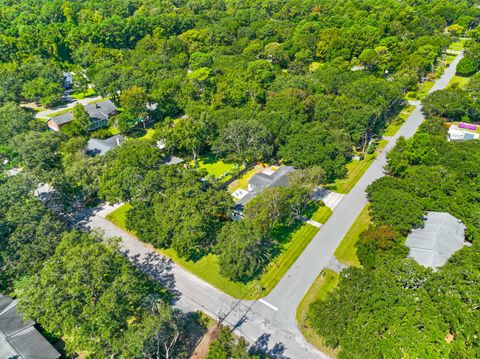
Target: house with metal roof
column 269, row 178
column 18, row 337
column 440, row 237
column 99, row 113
column 100, row 147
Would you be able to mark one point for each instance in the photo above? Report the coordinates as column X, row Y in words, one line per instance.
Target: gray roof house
column 99, row 113
column 100, row 147
column 18, row 338
column 441, row 236
column 260, row 181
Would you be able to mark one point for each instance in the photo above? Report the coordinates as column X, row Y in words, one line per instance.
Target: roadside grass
column 398, row 121
column 460, row 81
column 215, row 166
column 355, row 170
column 81, row 95
column 61, row 112
column 346, row 252
column 322, row 214
column 449, row 58
column 293, row 240
column 324, row 284
column 458, row 45
column 118, row 216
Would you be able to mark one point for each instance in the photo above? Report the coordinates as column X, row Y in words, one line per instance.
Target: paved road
column 271, row 319
column 46, row 113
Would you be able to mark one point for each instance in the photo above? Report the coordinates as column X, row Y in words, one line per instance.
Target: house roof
column 96, row 146
column 261, row 181
column 101, row 110
column 18, row 337
column 441, row 236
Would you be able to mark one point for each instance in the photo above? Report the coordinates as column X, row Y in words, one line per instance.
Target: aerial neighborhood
column 222, row 179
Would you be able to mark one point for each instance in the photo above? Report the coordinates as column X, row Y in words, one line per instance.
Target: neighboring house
column 100, row 147
column 455, row 134
column 441, row 236
column 269, row 178
column 99, row 113
column 18, row 337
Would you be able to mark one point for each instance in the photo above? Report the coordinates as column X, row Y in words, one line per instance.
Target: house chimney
column 96, row 105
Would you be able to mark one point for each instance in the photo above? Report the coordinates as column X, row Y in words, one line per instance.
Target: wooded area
column 307, row 83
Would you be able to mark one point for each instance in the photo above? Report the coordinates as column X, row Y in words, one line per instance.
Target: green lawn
column 118, row 216
column 346, row 251
column 461, row 81
column 325, row 283
column 398, row 121
column 242, row 182
column 81, row 95
column 322, row 214
column 457, row 46
column 356, row 169
column 58, row 113
column 208, row 269
column 214, row 166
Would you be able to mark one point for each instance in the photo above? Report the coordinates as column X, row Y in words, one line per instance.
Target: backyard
column 293, row 240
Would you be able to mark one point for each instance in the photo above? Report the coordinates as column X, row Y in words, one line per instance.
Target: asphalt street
column 270, row 321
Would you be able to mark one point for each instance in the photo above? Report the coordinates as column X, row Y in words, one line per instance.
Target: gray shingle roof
column 101, row 110
column 441, row 236
column 261, row 181
column 100, row 147
column 18, row 337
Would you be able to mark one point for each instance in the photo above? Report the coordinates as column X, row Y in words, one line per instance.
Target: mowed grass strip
column 324, row 284
column 355, row 170
column 346, row 252
column 398, row 121
column 208, row 267
column 322, row 214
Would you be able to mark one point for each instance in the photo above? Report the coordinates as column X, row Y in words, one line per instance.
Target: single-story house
column 269, row 178
column 441, row 236
column 457, row 134
column 18, row 337
column 99, row 113
column 100, row 147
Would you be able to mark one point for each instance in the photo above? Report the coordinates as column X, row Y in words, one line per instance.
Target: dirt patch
column 201, row 349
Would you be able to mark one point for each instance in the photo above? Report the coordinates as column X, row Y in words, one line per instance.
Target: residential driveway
column 270, row 321
column 46, row 113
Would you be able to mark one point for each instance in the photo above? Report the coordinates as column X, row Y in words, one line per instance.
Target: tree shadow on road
column 157, row 267
column 260, row 348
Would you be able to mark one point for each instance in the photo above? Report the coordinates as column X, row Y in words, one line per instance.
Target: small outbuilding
column 441, row 236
